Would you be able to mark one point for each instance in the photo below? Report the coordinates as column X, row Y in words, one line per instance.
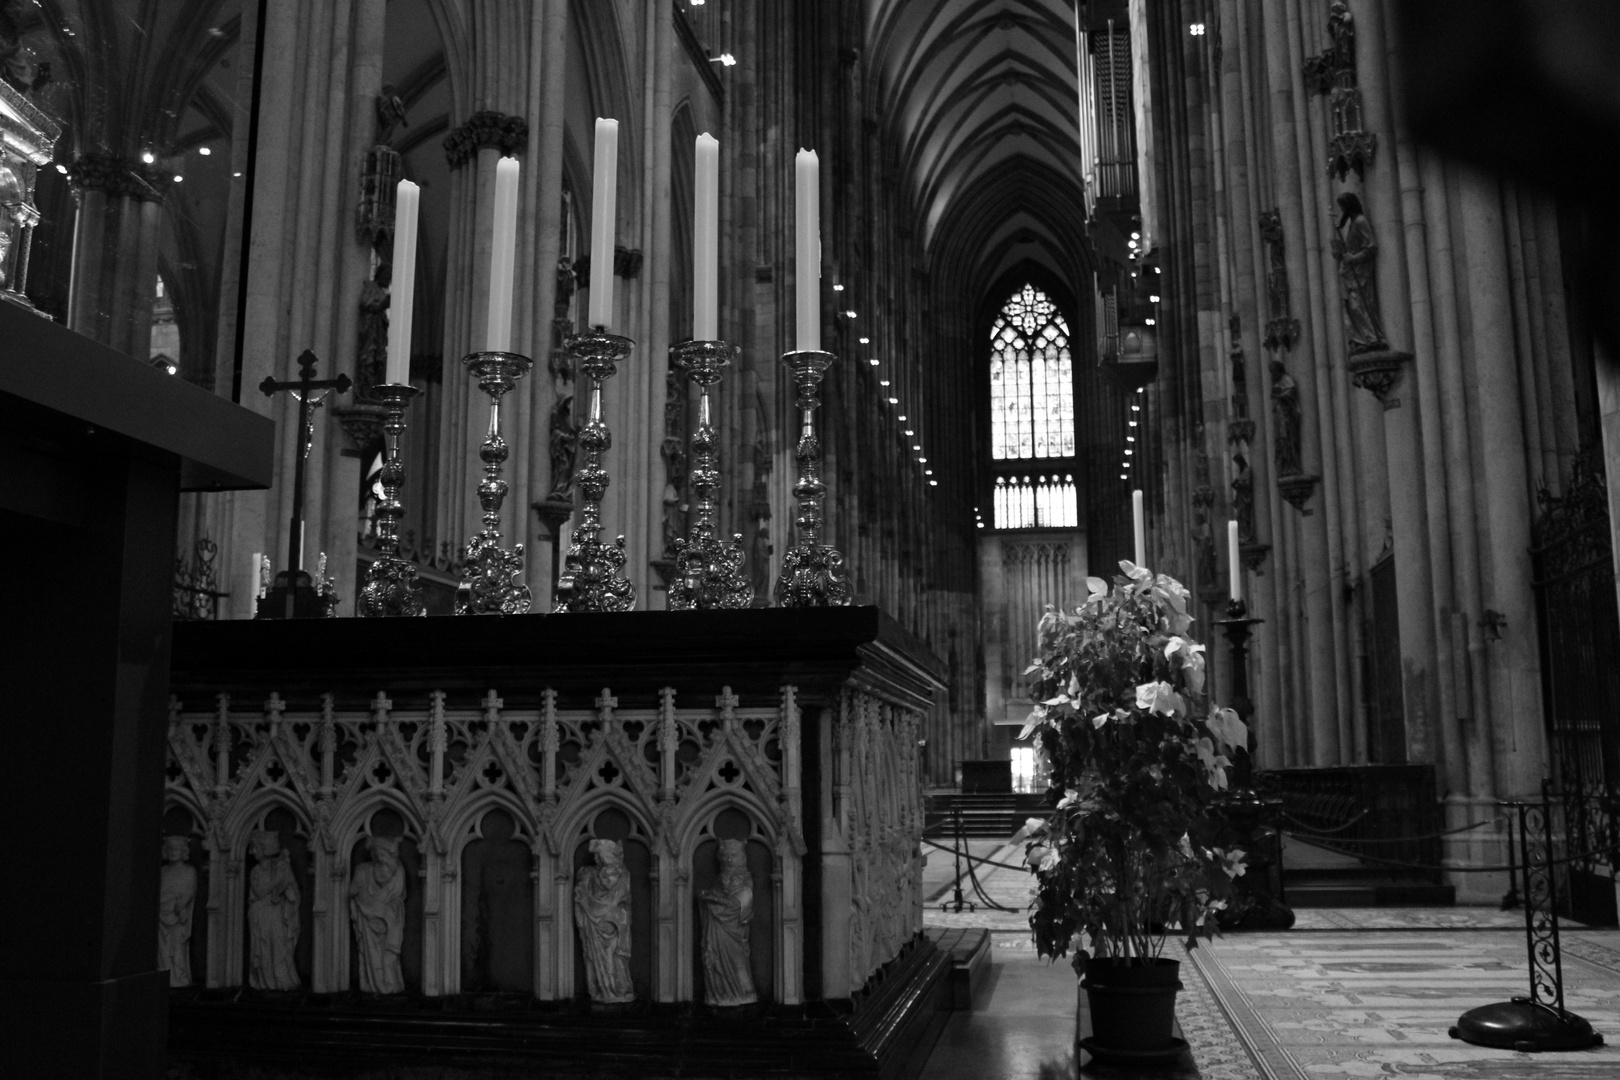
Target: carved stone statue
column 371, row 364
column 728, row 907
column 390, row 112
column 1243, row 497
column 273, row 921
column 377, row 912
column 564, row 450
column 1285, row 412
column 177, row 893
column 1271, row 234
column 602, row 920
column 1355, row 249
column 1342, row 28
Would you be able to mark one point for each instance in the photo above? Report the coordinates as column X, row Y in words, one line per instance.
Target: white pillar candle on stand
column 604, row 192
column 1139, row 526
column 706, row 240
column 1233, row 565
column 254, row 580
column 807, row 249
column 402, row 285
column 502, row 251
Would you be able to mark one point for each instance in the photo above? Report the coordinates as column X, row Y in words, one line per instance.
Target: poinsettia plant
column 1138, row 758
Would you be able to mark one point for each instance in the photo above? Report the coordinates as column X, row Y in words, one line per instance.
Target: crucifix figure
column 311, row 394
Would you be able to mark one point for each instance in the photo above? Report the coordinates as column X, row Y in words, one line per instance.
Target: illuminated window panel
column 1031, row 380
column 1037, row 502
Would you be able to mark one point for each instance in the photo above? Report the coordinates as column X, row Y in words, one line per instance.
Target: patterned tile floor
column 1350, row 993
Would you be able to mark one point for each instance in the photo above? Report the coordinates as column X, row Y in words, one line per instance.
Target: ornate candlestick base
column 492, row 575
column 708, row 570
column 812, row 572
column 592, row 578
column 390, row 587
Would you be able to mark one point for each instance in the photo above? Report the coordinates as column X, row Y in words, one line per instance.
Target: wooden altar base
column 887, row 1032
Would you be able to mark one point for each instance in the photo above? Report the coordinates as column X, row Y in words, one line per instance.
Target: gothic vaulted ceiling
column 980, row 95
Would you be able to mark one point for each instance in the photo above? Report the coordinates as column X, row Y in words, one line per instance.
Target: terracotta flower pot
column 1133, row 1009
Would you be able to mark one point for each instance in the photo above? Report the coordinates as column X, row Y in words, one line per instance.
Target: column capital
column 508, row 134
column 116, row 174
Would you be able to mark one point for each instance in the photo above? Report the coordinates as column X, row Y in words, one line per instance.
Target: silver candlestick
column 708, row 570
column 812, row 572
column 592, row 578
column 492, row 576
column 390, row 587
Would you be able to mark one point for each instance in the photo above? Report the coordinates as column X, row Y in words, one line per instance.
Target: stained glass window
column 1039, row 501
column 1031, row 380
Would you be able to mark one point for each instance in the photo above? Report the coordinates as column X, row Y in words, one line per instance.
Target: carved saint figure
column 377, row 911
column 1342, row 29
column 373, row 356
column 564, row 449
column 728, row 907
column 1243, row 497
column 1271, row 234
column 602, row 919
column 273, row 921
column 177, row 893
column 1286, row 417
column 1355, row 249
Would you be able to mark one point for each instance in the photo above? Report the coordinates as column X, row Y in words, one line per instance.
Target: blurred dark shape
column 1529, row 89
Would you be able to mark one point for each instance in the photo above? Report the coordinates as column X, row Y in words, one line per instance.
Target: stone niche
column 506, row 758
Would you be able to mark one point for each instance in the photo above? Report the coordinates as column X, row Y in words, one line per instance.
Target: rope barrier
column 1325, row 832
column 974, row 858
column 1402, row 839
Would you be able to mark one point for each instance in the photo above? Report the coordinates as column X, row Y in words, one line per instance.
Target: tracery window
column 1032, row 414
column 1031, row 380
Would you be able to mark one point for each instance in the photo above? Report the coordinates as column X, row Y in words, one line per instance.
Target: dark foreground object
column 888, row 1032
column 1526, row 1026
column 1133, row 1011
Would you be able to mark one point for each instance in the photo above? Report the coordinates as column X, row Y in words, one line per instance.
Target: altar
column 499, row 759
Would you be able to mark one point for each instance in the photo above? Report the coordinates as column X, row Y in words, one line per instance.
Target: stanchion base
column 1526, row 1026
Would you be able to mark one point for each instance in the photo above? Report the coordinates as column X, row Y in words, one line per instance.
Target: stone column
column 1318, row 658
column 1513, row 667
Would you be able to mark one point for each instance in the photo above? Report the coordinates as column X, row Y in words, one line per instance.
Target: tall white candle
column 604, row 191
column 402, row 286
column 706, row 240
column 502, row 251
column 253, row 581
column 1233, row 566
column 302, row 525
column 807, row 248
column 1139, row 525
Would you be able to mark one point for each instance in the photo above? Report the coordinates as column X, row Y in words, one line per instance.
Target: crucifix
column 311, row 394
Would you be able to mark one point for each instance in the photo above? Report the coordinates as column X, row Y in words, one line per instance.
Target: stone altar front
column 516, row 753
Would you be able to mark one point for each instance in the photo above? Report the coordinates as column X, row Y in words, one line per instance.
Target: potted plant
column 1131, row 850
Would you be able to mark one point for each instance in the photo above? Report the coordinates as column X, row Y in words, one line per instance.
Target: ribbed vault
column 980, row 98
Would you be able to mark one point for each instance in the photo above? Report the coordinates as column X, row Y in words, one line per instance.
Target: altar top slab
column 221, row 446
column 754, row 651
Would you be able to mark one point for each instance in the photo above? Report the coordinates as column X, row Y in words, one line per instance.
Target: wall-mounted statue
column 728, row 907
column 564, row 449
column 1282, row 329
column 377, row 912
column 1285, row 414
column 1355, row 249
column 177, row 893
column 273, row 920
column 602, row 920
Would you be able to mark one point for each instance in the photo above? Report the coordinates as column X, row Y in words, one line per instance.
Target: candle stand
column 1263, row 906
column 812, row 572
column 592, row 578
column 390, row 587
column 708, row 570
column 491, row 578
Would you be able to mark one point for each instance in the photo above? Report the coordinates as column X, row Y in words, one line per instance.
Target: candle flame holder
column 390, row 587
column 592, row 578
column 812, row 572
column 492, row 575
column 708, row 570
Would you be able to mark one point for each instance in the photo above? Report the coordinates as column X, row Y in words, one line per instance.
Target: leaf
column 1096, row 586
column 1099, row 720
column 1225, row 726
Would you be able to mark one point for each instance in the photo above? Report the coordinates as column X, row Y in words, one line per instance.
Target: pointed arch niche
column 1031, row 512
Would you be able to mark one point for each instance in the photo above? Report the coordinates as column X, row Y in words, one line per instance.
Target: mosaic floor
column 1378, row 1002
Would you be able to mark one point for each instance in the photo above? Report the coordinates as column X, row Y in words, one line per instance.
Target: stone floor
column 1349, row 993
